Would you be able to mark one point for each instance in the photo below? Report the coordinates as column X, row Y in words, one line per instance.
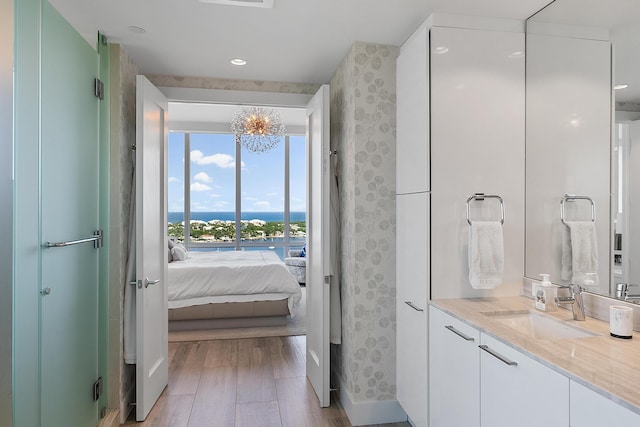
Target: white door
column 152, row 370
column 318, row 243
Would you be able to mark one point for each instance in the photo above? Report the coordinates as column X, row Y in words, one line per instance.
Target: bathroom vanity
column 499, row 362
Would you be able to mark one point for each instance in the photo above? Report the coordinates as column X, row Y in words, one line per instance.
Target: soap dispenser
column 545, row 294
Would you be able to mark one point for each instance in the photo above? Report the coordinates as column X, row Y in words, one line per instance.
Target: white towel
column 565, row 263
column 486, row 254
column 584, row 252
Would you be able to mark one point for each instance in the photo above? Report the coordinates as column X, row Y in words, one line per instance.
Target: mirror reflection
column 583, row 145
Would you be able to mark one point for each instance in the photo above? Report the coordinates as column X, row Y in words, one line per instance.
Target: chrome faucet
column 577, row 304
column 622, row 291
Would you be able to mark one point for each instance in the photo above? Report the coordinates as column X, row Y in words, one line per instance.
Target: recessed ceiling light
column 238, row 61
column 516, row 54
column 621, row 86
column 137, row 30
column 440, row 50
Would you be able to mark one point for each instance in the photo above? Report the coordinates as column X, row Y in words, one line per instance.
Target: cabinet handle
column 415, row 307
column 498, row 355
column 460, row 334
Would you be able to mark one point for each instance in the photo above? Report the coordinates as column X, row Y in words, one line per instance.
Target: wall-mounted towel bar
column 573, row 197
column 96, row 238
column 480, row 197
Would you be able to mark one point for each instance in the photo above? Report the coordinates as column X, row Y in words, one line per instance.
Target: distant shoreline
column 175, row 217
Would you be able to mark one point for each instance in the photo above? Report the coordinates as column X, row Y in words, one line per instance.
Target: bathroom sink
column 539, row 326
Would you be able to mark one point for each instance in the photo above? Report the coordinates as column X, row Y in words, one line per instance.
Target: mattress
column 233, row 276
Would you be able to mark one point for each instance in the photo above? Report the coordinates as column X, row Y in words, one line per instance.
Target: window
column 228, row 198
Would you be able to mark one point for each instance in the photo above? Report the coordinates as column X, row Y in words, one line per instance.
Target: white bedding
column 234, row 276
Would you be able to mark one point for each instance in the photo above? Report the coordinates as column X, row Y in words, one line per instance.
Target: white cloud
column 251, row 199
column 221, row 160
column 196, row 186
column 173, row 179
column 202, row 177
column 262, row 204
column 215, row 195
column 271, row 194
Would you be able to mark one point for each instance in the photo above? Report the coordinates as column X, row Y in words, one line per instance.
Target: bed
column 230, row 289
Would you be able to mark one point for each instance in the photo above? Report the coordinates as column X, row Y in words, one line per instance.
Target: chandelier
column 258, row 129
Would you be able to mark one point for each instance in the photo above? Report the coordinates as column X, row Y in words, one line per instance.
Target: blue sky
column 212, row 177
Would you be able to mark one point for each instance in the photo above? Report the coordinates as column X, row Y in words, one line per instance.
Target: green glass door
column 69, row 211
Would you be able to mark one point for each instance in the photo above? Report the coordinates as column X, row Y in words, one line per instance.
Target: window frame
column 238, row 244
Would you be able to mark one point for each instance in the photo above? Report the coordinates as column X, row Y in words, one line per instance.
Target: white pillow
column 172, row 242
column 179, row 252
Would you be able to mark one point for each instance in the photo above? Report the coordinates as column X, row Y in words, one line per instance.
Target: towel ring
column 480, row 197
column 573, row 197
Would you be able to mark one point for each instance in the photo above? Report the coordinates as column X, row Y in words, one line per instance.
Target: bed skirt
column 229, row 315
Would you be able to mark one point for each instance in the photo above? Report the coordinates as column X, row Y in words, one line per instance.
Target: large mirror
column 583, row 144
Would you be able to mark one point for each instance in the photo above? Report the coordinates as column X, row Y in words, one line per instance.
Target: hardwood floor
column 253, row 382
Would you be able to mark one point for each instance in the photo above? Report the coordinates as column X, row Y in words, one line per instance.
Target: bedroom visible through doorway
column 225, row 199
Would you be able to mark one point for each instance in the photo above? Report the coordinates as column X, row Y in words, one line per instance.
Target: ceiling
column 297, row 41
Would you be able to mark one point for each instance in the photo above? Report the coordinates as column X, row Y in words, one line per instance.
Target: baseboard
column 371, row 411
column 125, row 407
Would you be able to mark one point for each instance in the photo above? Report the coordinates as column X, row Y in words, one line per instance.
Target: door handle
column 148, row 282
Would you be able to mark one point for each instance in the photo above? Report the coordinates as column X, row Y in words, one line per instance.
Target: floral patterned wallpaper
column 226, row 84
column 122, row 76
column 363, row 124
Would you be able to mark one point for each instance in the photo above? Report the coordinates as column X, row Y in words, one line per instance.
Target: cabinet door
column 454, row 366
column 412, row 132
column 525, row 393
column 412, row 290
column 590, row 409
column 477, row 139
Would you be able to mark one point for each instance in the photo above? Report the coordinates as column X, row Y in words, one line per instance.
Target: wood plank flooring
column 253, row 382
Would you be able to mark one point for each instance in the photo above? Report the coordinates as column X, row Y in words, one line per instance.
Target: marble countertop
column 607, row 365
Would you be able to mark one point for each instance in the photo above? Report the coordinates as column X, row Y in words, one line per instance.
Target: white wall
column 477, row 146
column 568, row 145
column 6, row 206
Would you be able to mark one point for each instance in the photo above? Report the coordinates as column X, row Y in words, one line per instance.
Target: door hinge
column 98, row 89
column 97, row 389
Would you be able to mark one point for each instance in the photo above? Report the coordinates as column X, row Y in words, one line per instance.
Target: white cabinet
column 412, row 112
column 475, row 380
column 412, row 295
column 412, row 226
column 454, row 366
column 590, row 409
column 517, row 390
column 477, row 146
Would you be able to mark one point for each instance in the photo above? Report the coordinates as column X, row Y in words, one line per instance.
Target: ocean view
column 264, row 228
column 174, row 217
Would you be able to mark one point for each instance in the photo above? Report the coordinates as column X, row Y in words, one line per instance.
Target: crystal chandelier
column 258, row 129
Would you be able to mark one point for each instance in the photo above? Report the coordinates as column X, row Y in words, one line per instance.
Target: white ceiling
column 300, row 41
